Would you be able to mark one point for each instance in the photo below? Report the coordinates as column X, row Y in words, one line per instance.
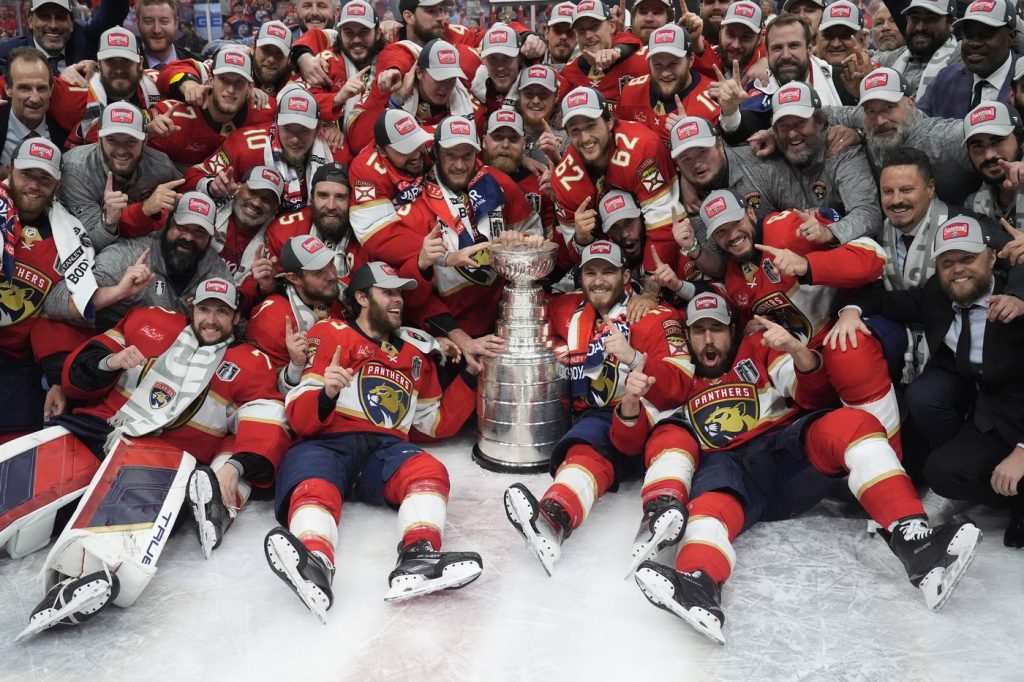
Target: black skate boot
column 663, row 526
column 544, row 526
column 208, row 508
column 309, row 574
column 72, row 601
column 935, row 558
column 1013, row 536
column 421, row 570
column 694, row 597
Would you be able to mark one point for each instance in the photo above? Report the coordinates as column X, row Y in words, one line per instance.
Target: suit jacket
column 950, row 94
column 1000, row 402
column 57, row 134
column 85, row 38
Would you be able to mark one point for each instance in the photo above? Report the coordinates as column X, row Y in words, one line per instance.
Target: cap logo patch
column 405, row 126
column 565, row 10
column 459, row 128
column 354, row 10
column 839, row 11
column 41, row 151
column 982, row 6
column 585, row 6
column 715, row 207
column 789, row 95
column 666, row 36
column 955, row 231
column 706, row 303
column 879, row 80
column 298, row 104
column 271, row 176
column 447, row 57
column 685, row 131
column 601, row 248
column 117, row 40
column 312, row 245
column 122, row 116
column 217, row 286
column 275, row 31
column 743, row 10
column 614, row 203
column 388, row 270
column 498, row 37
column 234, row 58
column 199, row 206
column 578, row 100
column 537, row 72
column 982, row 115
column 506, row 117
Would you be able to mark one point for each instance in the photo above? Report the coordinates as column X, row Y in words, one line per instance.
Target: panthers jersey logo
column 777, row 307
column 602, row 389
column 22, row 297
column 161, row 395
column 384, row 394
column 481, row 273
column 724, row 412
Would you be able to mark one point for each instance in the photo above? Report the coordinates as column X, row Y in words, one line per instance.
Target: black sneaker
column 662, row 526
column 694, row 597
column 1013, row 536
column 935, row 558
column 309, row 574
column 421, row 570
column 72, row 601
column 211, row 515
column 544, row 526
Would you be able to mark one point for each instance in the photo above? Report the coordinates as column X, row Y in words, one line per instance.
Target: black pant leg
column 937, row 402
column 962, row 468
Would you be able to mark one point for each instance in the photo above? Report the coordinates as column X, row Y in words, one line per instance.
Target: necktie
column 29, row 135
column 963, row 347
column 908, row 239
column 978, row 88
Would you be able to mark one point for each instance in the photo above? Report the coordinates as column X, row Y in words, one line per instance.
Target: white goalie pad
column 125, row 518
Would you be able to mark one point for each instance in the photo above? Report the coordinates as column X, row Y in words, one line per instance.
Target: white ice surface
column 814, row 598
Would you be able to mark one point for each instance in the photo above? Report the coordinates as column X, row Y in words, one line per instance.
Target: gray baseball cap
column 118, row 42
column 615, row 206
column 794, row 99
column 379, row 274
column 305, row 252
column 233, row 61
column 582, row 101
column 722, row 207
column 441, row 60
column 989, row 12
column 264, row 177
column 275, row 33
column 883, row 84
column 196, row 208
column 40, row 153
column 744, row 13
column 692, row 131
column 708, row 305
column 602, row 250
column 122, row 117
column 296, row 105
column 500, row 39
column 456, row 130
column 505, row 118
column 217, row 289
column 959, row 233
column 994, row 118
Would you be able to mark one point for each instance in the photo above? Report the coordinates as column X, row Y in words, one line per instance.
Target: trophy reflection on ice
column 522, row 394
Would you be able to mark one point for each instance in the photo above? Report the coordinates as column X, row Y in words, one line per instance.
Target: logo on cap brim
column 955, row 231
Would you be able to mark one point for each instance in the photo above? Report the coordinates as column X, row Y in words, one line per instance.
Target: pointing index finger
column 174, row 183
column 337, row 357
column 110, row 181
column 654, row 256
column 141, row 260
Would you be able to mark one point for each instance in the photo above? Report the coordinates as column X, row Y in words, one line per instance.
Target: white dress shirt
column 994, row 81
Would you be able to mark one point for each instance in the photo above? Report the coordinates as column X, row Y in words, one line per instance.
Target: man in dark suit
column 970, row 397
column 27, row 113
column 986, row 72
column 54, row 31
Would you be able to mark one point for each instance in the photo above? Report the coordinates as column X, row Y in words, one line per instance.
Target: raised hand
column 533, row 47
column 161, row 125
column 78, row 75
column 682, row 231
column 406, row 85
column 731, row 92
column 776, row 337
column 1014, row 250
column 390, row 79
column 126, row 359
column 114, row 203
column 221, row 185
column 295, row 342
column 195, row 93
column 162, row 198
column 544, row 182
column 549, row 144
column 336, row 377
column 616, row 344
column 603, row 59
column 762, row 143
column 136, row 277
column 664, row 275
column 263, row 270
column 841, row 138
column 787, row 262
column 314, row 70
column 353, row 87
column 433, row 250
column 843, row 333
column 585, row 221
column 637, row 383
column 679, row 113
column 854, row 67
column 1014, row 171
column 811, row 229
column 693, row 25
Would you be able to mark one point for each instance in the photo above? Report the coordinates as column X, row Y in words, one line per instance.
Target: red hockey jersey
column 394, row 391
column 267, row 326
column 378, row 188
column 200, row 136
column 240, row 410
column 579, row 72
column 640, row 103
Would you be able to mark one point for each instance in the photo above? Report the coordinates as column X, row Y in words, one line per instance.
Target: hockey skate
column 72, row 601
column 421, row 570
column 694, row 597
column 662, row 526
column 935, row 558
column 309, row 574
column 211, row 515
column 544, row 527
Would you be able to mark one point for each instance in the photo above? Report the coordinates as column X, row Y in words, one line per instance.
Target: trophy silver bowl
column 522, row 394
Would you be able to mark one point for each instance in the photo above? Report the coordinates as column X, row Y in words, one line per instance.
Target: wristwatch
column 690, row 252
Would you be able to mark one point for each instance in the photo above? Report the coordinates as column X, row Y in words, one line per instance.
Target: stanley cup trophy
column 522, row 403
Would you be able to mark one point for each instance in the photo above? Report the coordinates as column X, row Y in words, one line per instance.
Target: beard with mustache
column 880, row 145
column 506, row 164
column 332, row 224
column 979, row 285
column 996, row 181
column 795, row 71
column 803, row 158
column 182, row 256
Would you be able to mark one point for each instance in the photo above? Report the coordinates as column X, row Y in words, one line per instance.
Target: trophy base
column 489, row 463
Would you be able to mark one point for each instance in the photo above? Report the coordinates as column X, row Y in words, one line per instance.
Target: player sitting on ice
column 602, row 346
column 763, row 458
column 160, row 392
column 363, row 393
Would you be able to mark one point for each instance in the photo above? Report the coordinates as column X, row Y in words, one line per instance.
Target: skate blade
column 965, row 545
column 649, row 550
column 284, row 563
column 659, row 591
column 453, row 577
column 521, row 513
column 82, row 599
column 200, row 494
